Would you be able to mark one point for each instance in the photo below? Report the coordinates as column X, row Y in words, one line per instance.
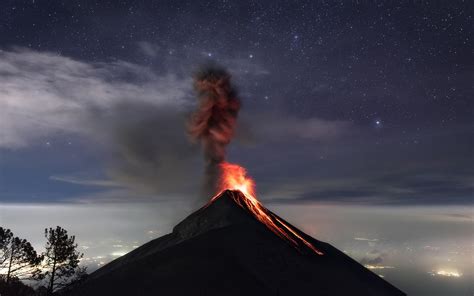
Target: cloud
column 185, row 58
column 42, row 93
column 149, row 49
column 371, row 261
column 258, row 129
column 135, row 114
column 88, row 182
column 459, row 217
column 279, row 126
column 366, row 239
column 374, row 257
column 386, row 189
column 352, row 167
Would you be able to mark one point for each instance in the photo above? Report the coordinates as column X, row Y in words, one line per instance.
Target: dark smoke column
column 214, row 121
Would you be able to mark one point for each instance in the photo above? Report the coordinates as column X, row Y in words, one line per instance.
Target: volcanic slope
column 222, row 249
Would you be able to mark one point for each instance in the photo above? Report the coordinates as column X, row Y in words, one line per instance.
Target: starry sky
column 345, row 103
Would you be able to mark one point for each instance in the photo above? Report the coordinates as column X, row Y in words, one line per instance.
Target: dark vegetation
column 25, row 272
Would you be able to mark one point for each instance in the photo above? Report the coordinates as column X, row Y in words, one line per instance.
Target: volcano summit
column 225, row 249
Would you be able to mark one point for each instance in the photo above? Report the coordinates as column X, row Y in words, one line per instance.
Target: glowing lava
column 234, row 177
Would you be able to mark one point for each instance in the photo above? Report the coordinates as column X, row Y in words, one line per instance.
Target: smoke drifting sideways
column 150, row 152
column 213, row 123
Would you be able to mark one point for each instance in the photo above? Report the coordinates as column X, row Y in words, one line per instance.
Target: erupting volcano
column 234, row 177
column 224, row 248
column 233, row 245
column 213, row 124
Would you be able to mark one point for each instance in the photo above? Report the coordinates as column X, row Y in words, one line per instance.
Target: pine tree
column 61, row 260
column 17, row 257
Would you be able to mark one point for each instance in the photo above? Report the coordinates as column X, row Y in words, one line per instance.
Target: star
column 378, row 123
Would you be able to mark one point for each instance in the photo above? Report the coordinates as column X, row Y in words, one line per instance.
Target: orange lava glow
column 234, row 177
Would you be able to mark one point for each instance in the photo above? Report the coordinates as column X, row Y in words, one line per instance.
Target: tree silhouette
column 17, row 257
column 61, row 260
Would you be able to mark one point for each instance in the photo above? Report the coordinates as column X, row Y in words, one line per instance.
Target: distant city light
column 448, row 273
column 378, row 266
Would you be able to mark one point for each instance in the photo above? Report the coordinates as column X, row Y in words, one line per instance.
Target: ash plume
column 213, row 123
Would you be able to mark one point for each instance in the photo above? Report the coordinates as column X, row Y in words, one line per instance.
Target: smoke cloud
column 133, row 115
column 213, row 123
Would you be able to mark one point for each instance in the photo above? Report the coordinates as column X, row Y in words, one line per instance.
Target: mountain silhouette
column 223, row 249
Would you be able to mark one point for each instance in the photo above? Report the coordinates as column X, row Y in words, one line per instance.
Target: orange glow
column 234, row 177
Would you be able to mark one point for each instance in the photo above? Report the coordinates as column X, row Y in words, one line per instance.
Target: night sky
column 345, row 103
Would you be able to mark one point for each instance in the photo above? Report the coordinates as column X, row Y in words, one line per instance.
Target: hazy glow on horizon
column 394, row 242
column 448, row 273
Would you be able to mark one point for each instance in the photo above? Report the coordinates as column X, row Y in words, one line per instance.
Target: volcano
column 224, row 249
